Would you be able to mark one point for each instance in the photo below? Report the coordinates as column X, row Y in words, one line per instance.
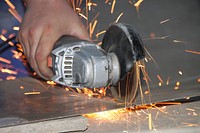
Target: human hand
column 45, row 21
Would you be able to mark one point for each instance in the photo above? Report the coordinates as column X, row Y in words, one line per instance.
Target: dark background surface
column 183, row 25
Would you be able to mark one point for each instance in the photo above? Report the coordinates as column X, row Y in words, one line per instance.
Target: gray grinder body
column 80, row 63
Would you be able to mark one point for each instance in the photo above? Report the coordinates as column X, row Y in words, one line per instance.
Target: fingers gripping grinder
column 80, row 63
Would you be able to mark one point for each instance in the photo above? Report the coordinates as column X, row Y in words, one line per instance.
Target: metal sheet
column 55, row 102
column 52, row 103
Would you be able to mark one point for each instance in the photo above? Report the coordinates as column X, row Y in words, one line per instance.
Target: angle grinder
column 80, row 63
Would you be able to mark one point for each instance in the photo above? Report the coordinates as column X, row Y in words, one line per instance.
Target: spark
column 78, row 90
column 3, row 38
column 8, row 71
column 111, row 115
column 15, row 28
column 11, row 43
column 162, row 37
column 130, row 2
column 157, row 115
column 100, row 33
column 137, row 112
column 99, row 43
column 160, row 79
column 198, row 80
column 10, row 78
column 10, row 4
column 177, row 83
column 5, row 60
column 15, row 14
column 144, row 111
column 169, row 103
column 21, row 87
column 78, row 10
column 91, row 4
column 32, row 93
column 73, row 4
column 113, row 6
column 16, row 54
column 67, row 89
column 193, row 52
column 189, row 109
column 160, row 84
column 180, row 72
column 162, row 109
column 178, row 41
column 86, row 12
column 176, row 88
column 146, row 92
column 151, row 57
column 164, row 21
column 95, row 92
column 19, row 47
column 146, row 59
column 34, row 73
column 190, row 124
column 102, row 91
column 187, row 98
column 89, row 92
column 106, row 1
column 137, row 4
column 51, row 83
column 118, row 17
column 70, row 89
column 195, row 114
column 167, row 82
column 146, row 78
column 83, row 16
column 150, row 121
column 92, row 27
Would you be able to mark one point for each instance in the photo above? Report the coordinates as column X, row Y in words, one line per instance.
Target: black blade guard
column 127, row 45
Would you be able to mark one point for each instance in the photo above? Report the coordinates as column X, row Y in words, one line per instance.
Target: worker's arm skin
column 44, row 22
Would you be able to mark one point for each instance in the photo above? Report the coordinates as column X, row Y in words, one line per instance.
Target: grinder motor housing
column 80, row 63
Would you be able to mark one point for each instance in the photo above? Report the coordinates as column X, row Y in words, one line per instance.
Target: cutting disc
column 126, row 43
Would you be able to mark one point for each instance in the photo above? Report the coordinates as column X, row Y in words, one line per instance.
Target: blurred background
column 170, row 30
